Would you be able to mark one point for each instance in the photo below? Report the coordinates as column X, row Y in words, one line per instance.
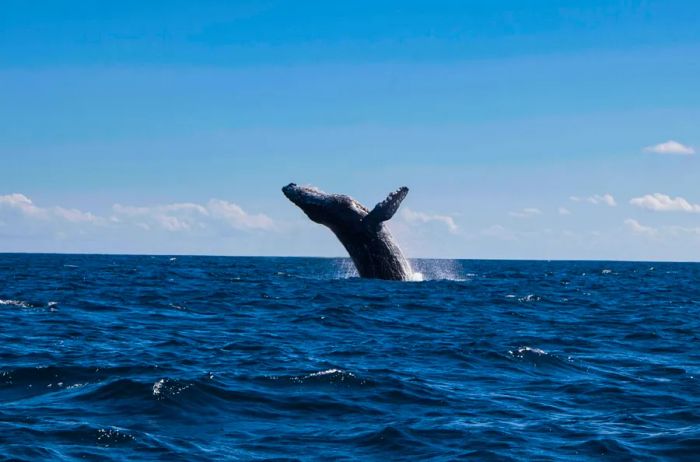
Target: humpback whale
column 361, row 231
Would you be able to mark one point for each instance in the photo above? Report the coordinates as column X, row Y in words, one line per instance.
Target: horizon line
column 583, row 260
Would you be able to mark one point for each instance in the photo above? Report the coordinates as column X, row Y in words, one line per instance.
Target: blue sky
column 525, row 129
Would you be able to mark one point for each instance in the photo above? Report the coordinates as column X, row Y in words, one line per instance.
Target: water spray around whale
column 362, row 232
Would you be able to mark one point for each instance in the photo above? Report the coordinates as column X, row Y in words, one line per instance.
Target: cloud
column 564, row 211
column 187, row 216
column 236, row 217
column 17, row 209
column 526, row 212
column 678, row 230
column 665, row 231
column 21, row 204
column 596, row 199
column 170, row 217
column 411, row 216
column 76, row 216
column 638, row 228
column 670, row 147
column 662, row 203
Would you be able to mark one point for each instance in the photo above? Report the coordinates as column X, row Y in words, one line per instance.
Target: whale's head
column 331, row 210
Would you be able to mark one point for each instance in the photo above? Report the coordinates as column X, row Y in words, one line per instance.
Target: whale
column 362, row 232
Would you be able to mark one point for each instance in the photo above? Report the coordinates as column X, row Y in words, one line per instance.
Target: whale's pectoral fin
column 386, row 209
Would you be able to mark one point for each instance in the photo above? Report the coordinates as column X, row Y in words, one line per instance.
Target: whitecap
column 166, row 387
column 158, row 387
column 19, row 303
column 525, row 349
column 112, row 435
column 329, row 372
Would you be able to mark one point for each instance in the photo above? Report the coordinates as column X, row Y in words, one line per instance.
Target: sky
column 524, row 129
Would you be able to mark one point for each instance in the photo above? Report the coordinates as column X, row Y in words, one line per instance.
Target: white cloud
column 411, row 216
column 638, row 228
column 662, row 203
column 236, row 217
column 26, row 208
column 678, row 230
column 18, row 209
column 596, row 199
column 76, row 216
column 664, row 231
column 170, row 217
column 526, row 212
column 21, row 203
column 189, row 216
column 670, row 147
column 564, row 211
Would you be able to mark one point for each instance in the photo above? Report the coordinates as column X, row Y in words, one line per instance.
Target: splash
column 345, row 269
column 437, row 270
column 416, row 276
column 419, row 269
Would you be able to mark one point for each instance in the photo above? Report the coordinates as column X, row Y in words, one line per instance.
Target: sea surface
column 217, row 358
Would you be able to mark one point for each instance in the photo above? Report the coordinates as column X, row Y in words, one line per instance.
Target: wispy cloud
column 526, row 212
column 670, row 147
column 411, row 216
column 664, row 231
column 638, row 228
column 190, row 216
column 19, row 203
column 177, row 217
column 596, row 199
column 658, row 202
column 679, row 230
column 564, row 211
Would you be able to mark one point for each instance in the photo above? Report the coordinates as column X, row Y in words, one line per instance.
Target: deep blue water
column 206, row 358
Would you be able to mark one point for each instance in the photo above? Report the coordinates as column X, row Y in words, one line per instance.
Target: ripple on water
column 213, row 358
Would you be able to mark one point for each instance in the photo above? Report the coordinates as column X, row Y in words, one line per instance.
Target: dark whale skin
column 361, row 231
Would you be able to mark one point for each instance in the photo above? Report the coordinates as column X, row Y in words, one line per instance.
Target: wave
column 255, row 358
column 421, row 270
column 18, row 303
column 51, row 306
column 330, row 376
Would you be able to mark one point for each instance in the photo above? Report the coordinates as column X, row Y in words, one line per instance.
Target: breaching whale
column 361, row 231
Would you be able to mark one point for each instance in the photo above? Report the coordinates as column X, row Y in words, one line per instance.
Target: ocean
column 218, row 358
